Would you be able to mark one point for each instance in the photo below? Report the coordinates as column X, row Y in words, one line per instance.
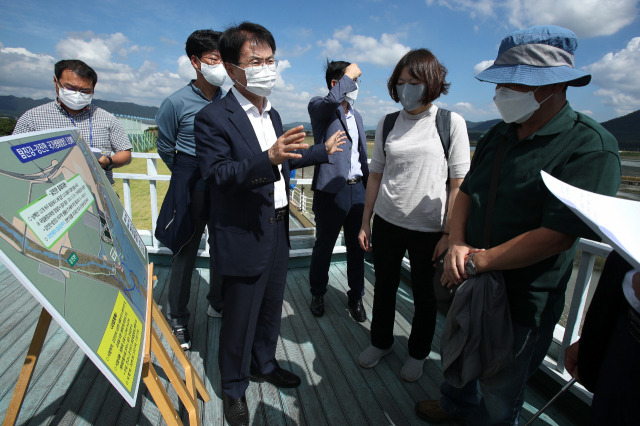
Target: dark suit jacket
column 241, row 179
column 327, row 116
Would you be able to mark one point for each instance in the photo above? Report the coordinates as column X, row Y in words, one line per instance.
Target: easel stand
column 187, row 389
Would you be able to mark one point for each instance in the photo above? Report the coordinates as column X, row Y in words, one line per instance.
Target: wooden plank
column 316, row 399
column 341, row 372
column 213, row 412
column 55, row 356
column 199, row 344
column 28, row 367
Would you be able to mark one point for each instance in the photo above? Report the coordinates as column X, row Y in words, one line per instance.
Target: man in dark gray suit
column 339, row 186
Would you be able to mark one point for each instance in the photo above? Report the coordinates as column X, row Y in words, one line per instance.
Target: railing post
column 126, row 192
column 587, row 260
column 152, row 171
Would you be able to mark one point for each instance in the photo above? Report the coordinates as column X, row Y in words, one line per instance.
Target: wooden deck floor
column 68, row 389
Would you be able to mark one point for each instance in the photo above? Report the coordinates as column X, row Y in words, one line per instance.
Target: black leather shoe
column 357, row 310
column 236, row 411
column 317, row 306
column 279, row 377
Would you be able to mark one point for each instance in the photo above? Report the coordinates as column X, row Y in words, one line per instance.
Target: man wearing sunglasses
column 74, row 82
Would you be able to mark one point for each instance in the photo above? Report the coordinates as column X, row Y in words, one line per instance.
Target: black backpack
column 443, row 125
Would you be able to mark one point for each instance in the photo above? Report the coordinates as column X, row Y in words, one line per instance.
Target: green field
column 141, row 202
column 140, row 194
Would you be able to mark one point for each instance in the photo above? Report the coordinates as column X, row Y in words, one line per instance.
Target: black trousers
column 333, row 212
column 616, row 400
column 390, row 242
column 251, row 320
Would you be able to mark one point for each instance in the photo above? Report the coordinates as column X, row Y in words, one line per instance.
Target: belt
column 281, row 213
column 354, row 180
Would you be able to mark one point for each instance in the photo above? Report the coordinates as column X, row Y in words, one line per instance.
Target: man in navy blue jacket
column 245, row 156
column 339, row 186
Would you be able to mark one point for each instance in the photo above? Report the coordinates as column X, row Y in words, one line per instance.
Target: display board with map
column 67, row 238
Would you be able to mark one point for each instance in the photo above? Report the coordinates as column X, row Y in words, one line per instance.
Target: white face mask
column 260, row 80
column 352, row 96
column 214, row 74
column 514, row 106
column 411, row 95
column 72, row 99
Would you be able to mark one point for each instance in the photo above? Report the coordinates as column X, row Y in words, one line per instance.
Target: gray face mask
column 411, row 95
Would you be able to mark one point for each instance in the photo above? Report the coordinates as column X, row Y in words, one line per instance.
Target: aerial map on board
column 67, row 238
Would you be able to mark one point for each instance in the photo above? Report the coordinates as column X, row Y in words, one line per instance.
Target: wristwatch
column 469, row 266
column 110, row 166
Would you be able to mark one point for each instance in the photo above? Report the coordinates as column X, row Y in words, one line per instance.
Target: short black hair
column 201, row 41
column 335, row 70
column 424, row 66
column 77, row 67
column 234, row 38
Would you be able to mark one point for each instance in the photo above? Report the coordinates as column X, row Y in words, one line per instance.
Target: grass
column 140, row 194
column 629, row 155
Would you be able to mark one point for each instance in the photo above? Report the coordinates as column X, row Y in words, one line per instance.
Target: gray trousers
column 182, row 270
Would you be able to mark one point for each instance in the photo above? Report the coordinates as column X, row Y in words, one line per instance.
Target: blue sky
column 137, row 47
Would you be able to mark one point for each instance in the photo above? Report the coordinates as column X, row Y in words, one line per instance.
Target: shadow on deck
column 68, row 389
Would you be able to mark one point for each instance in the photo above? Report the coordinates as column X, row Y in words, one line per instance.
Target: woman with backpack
column 420, row 158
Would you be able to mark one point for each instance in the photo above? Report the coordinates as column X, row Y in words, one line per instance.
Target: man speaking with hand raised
column 246, row 157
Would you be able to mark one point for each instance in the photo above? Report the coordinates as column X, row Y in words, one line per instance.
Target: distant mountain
column 626, row 129
column 11, row 106
column 481, row 125
column 306, row 125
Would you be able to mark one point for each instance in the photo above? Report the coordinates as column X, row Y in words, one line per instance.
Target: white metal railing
column 563, row 336
column 300, row 199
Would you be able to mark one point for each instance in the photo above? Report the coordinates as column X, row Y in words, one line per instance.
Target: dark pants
column 251, row 320
column 184, row 261
column 616, row 400
column 502, row 395
column 332, row 212
column 390, row 242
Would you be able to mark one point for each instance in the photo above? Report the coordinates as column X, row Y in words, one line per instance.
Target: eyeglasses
column 84, row 91
column 270, row 63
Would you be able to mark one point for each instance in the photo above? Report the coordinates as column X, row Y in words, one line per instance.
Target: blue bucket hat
column 536, row 56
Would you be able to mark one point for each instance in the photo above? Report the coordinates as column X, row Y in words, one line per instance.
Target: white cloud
column 363, row 49
column 467, row 109
column 617, row 74
column 185, row 69
column 478, row 68
column 587, row 18
column 24, row 73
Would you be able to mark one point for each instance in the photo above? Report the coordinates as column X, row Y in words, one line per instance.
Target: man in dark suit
column 245, row 156
column 339, row 187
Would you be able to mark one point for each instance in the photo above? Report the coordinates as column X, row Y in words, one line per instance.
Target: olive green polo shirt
column 570, row 147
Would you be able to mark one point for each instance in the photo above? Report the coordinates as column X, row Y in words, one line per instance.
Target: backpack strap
column 443, row 125
column 389, row 122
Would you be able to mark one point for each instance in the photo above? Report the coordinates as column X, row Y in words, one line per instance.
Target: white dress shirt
column 352, row 126
column 266, row 134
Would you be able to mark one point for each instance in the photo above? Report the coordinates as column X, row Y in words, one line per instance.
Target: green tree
column 7, row 125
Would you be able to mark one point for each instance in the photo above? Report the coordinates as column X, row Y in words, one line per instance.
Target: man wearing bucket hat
column 532, row 237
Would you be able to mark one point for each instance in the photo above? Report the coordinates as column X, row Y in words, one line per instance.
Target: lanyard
column 90, row 126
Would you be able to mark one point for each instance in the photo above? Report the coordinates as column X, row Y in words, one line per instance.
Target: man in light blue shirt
column 184, row 212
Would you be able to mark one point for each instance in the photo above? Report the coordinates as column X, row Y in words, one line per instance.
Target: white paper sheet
column 615, row 220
